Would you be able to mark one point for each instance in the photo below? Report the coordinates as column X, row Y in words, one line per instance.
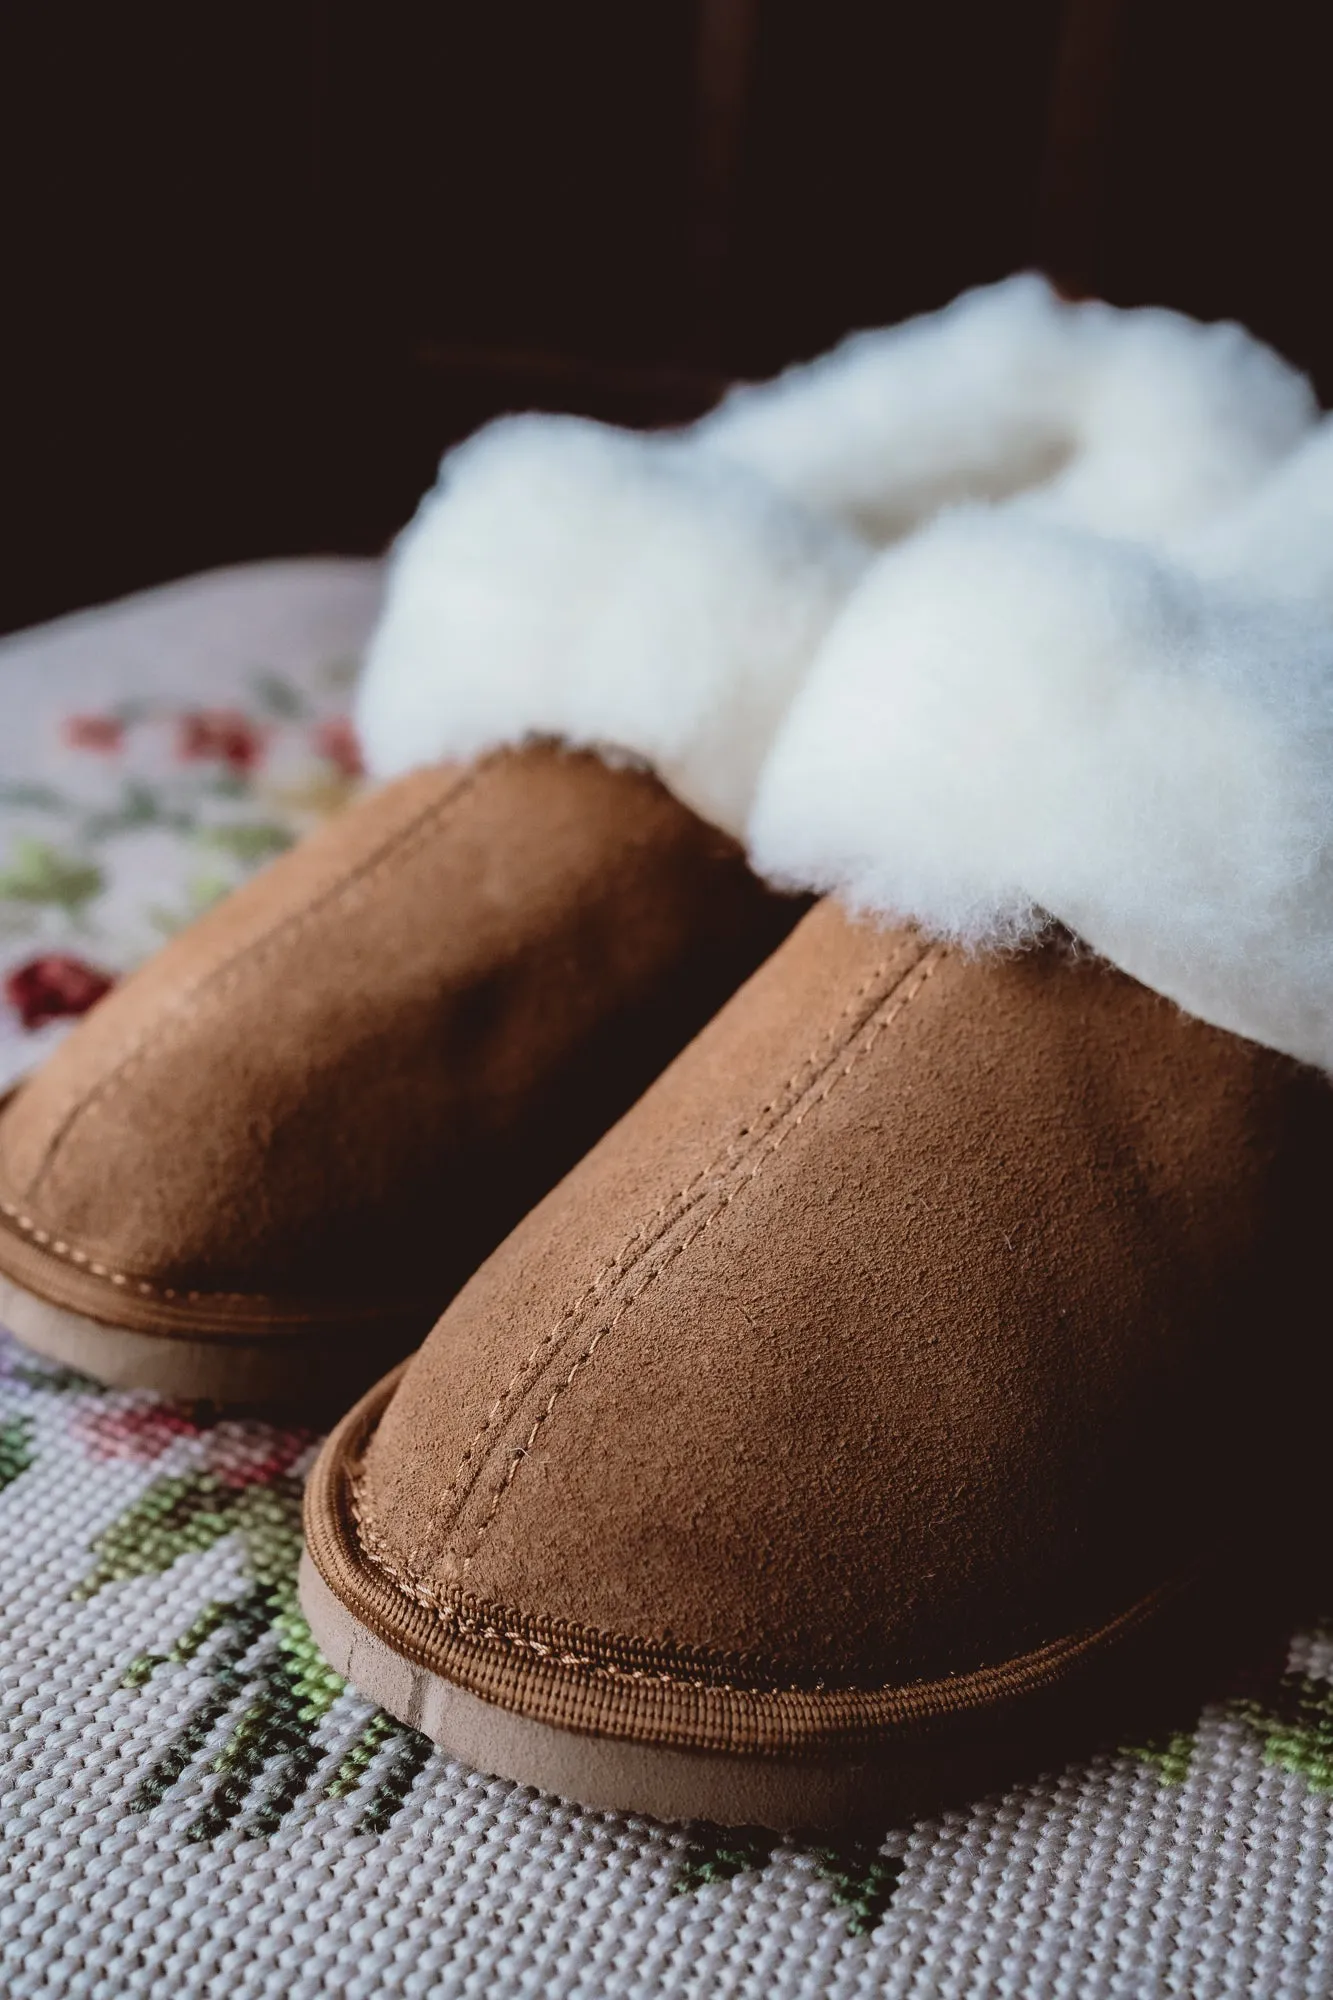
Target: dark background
column 264, row 261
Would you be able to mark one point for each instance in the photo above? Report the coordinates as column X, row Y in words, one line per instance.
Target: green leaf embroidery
column 276, row 695
column 140, row 806
column 251, row 842
column 265, row 1671
column 40, row 873
column 396, row 1783
column 1170, row 1754
column 201, row 892
column 379, row 1730
column 134, row 710
column 1295, row 1723
column 15, row 1449
column 227, row 785
column 53, row 1378
column 1290, row 1713
column 34, row 798
column 717, row 1853
column 177, row 1515
column 861, row 1877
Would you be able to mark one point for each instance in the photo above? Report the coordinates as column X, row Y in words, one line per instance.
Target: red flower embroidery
column 336, row 739
column 94, row 732
column 50, row 987
column 141, row 1434
column 221, row 733
column 240, row 1454
column 254, row 1454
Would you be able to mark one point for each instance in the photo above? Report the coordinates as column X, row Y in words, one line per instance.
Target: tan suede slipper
column 257, row 1168
column 858, row 1422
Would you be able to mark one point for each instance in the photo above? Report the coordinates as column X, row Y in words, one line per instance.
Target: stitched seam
column 892, row 1013
column 55, row 1246
column 376, row 1548
column 641, row 1240
column 214, row 985
column 467, row 1625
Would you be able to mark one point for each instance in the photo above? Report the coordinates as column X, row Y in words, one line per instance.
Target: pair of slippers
column 833, row 1001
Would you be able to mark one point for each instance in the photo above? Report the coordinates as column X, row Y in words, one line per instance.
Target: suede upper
column 332, row 1095
column 904, row 1327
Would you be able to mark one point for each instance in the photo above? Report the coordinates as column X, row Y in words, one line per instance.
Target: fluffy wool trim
column 1130, row 422
column 664, row 596
column 1014, row 718
column 623, row 593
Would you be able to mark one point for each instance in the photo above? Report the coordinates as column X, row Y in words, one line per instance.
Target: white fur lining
column 665, row 595
column 1130, row 422
column 1014, row 718
column 571, row 580
column 1095, row 683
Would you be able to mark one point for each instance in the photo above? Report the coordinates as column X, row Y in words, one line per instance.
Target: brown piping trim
column 193, row 1315
column 631, row 1689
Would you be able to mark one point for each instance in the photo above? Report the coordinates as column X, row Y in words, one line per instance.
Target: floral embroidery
column 221, row 733
column 262, row 1673
column 860, row 1875
column 239, row 1453
column 182, row 802
column 263, row 1667
column 94, row 732
column 1289, row 1711
column 54, row 986
column 336, row 739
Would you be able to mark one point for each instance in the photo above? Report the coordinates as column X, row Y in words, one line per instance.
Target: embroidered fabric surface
column 194, row 1804
column 154, row 754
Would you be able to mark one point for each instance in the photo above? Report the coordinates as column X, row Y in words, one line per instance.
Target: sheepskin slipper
column 258, row 1168
column 858, row 1423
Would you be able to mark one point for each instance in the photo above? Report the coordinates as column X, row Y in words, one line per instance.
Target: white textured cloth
column 238, row 1827
column 192, row 1804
